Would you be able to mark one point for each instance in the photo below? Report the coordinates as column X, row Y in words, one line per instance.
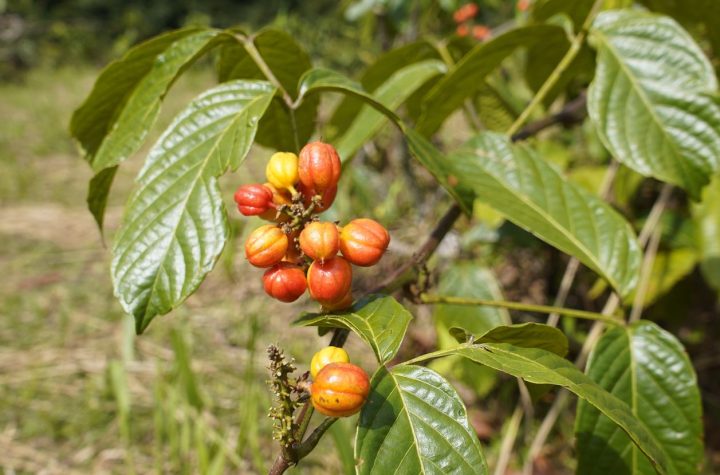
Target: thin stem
column 309, row 444
column 508, row 441
column 559, row 70
column 582, row 314
column 645, row 275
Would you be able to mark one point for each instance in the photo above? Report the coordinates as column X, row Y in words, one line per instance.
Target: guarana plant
column 631, row 77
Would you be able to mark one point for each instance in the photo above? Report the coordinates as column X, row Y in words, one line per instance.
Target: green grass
column 79, row 393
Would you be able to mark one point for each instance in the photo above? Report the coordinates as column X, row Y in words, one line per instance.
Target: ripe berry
column 253, row 200
column 329, row 281
column 481, row 32
column 320, row 241
column 266, row 246
column 326, row 198
column 329, row 354
column 340, row 389
column 282, row 171
column 363, row 241
column 319, row 167
column 341, row 304
column 285, row 282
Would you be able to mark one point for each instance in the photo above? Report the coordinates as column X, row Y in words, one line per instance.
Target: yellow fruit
column 329, row 354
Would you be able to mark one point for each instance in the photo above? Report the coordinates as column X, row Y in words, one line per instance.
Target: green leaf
column 115, row 118
column 543, row 367
column 175, row 224
column 528, row 335
column 288, row 61
column 469, row 75
column 374, row 76
column 648, row 369
column 575, row 10
column 529, row 192
column 651, row 99
column 707, row 218
column 379, row 320
column 414, row 422
column 392, row 93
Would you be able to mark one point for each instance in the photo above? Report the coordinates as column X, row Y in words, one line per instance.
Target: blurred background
column 79, row 393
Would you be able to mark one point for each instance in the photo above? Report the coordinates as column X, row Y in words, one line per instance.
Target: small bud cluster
column 286, row 393
column 465, row 19
column 300, row 252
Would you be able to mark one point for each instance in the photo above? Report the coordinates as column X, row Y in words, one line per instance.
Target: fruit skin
column 266, row 246
column 279, row 198
column 293, row 252
column 329, row 281
column 363, row 241
column 344, row 303
column 320, row 241
column 340, row 389
column 282, row 170
column 255, row 199
column 329, row 354
column 326, row 198
column 319, row 167
column 285, row 282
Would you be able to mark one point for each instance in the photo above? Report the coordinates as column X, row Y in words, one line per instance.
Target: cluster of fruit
column 299, row 251
column 339, row 388
column 464, row 19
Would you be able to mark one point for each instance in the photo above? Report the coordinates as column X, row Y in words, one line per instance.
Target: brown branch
column 571, row 114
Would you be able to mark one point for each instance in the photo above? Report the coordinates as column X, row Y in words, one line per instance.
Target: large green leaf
column 414, row 422
column 529, row 192
column 115, row 118
column 543, row 367
column 175, row 224
column 651, row 98
column 528, row 335
column 379, row 320
column 280, row 126
column 392, row 93
column 374, row 76
column 707, row 218
column 469, row 75
column 648, row 369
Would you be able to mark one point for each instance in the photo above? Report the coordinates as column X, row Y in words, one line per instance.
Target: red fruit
column 363, row 241
column 462, row 30
column 481, row 32
column 293, row 252
column 320, row 241
column 255, row 199
column 319, row 167
column 465, row 12
column 285, row 282
column 329, row 281
column 341, row 304
column 340, row 389
column 266, row 246
column 326, row 199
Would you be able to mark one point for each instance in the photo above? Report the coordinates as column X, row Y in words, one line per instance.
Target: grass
column 79, row 393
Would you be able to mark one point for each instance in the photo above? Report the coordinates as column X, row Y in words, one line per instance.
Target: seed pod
column 266, row 246
column 340, row 389
column 363, row 241
column 319, row 166
column 255, row 199
column 282, row 171
column 329, row 281
column 320, row 241
column 329, row 354
column 285, row 282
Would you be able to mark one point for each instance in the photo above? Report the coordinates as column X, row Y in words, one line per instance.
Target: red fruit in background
column 254, row 199
column 363, row 241
column 319, row 167
column 523, row 5
column 266, row 246
column 465, row 12
column 320, row 241
column 481, row 32
column 462, row 30
column 340, row 389
column 329, row 281
column 326, row 199
column 285, row 282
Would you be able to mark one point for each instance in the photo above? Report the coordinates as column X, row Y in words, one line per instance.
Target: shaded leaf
column 175, row 224
column 516, row 182
column 415, row 422
column 528, row 335
column 288, row 61
column 650, row 100
column 707, row 219
column 468, row 77
column 669, row 268
column 379, row 320
column 648, row 369
column 575, row 10
column 543, row 367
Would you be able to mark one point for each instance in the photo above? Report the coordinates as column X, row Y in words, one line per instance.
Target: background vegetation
column 79, row 393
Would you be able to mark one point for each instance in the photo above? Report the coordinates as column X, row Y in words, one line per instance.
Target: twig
column 645, row 275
